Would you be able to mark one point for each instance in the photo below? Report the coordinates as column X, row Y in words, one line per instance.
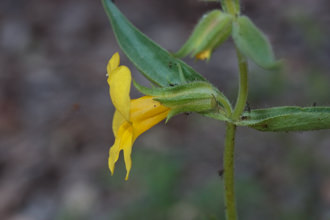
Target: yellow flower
column 206, row 54
column 132, row 116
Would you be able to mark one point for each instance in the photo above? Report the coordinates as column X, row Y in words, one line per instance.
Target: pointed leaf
column 154, row 62
column 287, row 119
column 253, row 43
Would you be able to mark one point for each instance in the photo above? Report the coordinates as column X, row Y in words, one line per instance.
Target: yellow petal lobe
column 113, row 155
column 206, row 54
column 123, row 141
column 120, row 83
column 113, row 63
column 126, row 143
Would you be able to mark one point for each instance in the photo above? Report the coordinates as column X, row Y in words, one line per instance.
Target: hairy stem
column 228, row 160
column 228, row 164
column 233, row 7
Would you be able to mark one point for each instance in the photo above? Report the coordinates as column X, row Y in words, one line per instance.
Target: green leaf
column 154, row 62
column 253, row 43
column 288, row 118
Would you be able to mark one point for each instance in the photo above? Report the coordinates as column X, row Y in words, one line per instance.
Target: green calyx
column 199, row 96
column 212, row 30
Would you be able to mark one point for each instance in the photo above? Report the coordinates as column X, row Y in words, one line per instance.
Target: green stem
column 231, row 6
column 228, row 164
column 238, row 7
column 228, row 160
column 243, row 86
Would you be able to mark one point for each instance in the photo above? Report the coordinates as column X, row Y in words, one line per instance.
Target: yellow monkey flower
column 132, row 116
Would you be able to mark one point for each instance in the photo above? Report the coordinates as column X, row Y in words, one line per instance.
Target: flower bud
column 212, row 30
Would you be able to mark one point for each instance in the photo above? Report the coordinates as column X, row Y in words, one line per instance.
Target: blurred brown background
column 55, row 117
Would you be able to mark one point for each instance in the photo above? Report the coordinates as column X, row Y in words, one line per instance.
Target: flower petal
column 120, row 83
column 145, row 113
column 114, row 155
column 144, row 125
column 126, row 144
column 145, row 107
column 124, row 141
column 117, row 121
column 113, row 63
column 206, row 54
